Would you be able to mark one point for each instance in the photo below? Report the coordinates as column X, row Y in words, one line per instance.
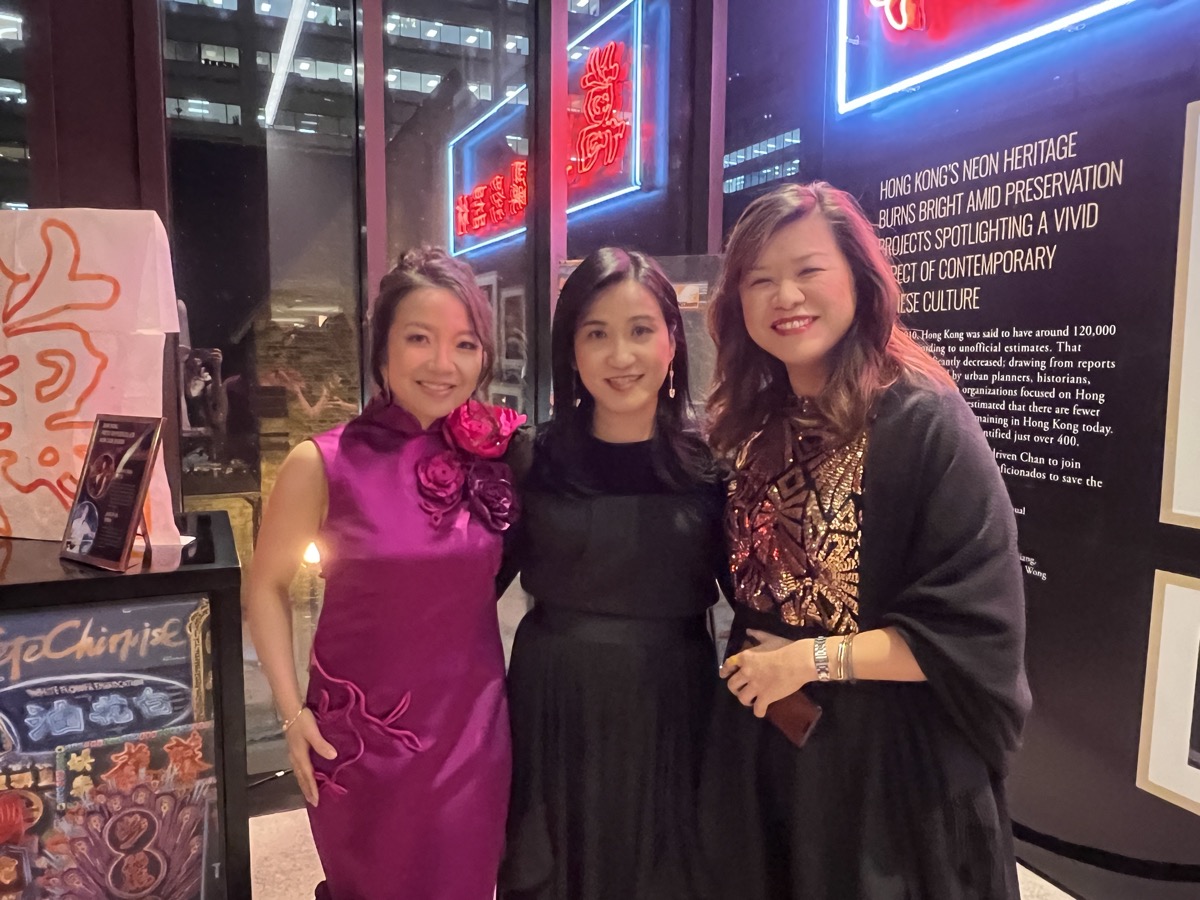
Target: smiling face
column 798, row 300
column 623, row 349
column 434, row 357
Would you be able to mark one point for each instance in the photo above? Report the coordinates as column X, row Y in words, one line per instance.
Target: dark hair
column 877, row 351
column 423, row 268
column 681, row 458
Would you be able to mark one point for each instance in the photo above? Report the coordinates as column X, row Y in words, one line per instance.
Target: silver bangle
column 848, row 641
column 821, row 658
column 841, row 660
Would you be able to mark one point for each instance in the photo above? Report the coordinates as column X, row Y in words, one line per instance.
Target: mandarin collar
column 395, row 417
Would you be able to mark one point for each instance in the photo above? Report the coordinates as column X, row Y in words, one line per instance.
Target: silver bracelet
column 848, row 642
column 821, row 658
column 841, row 660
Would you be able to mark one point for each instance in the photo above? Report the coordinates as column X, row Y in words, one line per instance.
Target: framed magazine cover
column 109, row 498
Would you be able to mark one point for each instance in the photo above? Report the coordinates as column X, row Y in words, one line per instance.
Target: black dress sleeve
column 519, row 458
column 962, row 608
column 723, row 572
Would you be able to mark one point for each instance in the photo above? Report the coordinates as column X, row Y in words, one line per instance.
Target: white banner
column 88, row 298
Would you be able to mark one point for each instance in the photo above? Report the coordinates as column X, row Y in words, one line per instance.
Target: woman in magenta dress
column 401, row 746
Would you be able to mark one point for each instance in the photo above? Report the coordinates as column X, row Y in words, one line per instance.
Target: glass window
column 187, row 52
column 320, row 14
column 265, row 221
column 12, row 25
column 425, row 205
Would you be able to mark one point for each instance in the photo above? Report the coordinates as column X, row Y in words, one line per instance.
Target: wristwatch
column 821, row 658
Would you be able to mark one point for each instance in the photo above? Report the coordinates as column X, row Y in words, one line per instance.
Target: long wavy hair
column 877, row 351
column 425, row 267
column 681, row 457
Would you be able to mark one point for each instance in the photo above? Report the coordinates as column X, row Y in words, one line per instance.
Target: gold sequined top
column 794, row 519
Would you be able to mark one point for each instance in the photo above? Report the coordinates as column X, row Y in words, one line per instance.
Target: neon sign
column 492, row 203
column 868, row 71
column 903, row 15
column 601, row 139
column 606, row 147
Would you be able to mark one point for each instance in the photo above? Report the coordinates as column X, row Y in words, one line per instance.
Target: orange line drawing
column 11, row 309
column 56, row 363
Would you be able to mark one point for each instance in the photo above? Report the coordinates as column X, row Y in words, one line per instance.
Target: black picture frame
column 114, row 480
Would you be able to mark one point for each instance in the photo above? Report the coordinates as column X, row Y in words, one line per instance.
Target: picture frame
column 106, row 514
column 1167, row 766
column 1180, row 504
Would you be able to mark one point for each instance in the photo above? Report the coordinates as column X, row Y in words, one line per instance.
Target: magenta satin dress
column 407, row 678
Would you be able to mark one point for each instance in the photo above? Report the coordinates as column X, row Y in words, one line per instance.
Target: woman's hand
column 770, row 671
column 303, row 739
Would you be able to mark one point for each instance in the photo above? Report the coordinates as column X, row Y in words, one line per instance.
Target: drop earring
column 671, row 380
column 576, row 389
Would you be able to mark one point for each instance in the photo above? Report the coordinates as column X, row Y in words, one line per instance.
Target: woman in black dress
column 613, row 671
column 873, row 548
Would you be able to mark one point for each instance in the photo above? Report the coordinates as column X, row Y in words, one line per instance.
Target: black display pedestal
column 122, row 717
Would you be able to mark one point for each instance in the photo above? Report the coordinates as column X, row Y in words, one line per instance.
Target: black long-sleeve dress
column 612, row 678
column 898, row 794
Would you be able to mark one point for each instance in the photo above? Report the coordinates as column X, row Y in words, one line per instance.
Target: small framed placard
column 107, row 511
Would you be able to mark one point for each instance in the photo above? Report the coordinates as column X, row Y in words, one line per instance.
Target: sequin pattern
column 794, row 518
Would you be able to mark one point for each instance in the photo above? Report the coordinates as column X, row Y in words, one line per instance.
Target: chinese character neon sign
column 606, row 152
column 601, row 139
column 903, row 15
column 869, row 71
column 496, row 201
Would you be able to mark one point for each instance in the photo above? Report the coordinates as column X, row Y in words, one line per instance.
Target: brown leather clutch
column 795, row 715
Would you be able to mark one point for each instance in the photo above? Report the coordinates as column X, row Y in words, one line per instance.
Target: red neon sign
column 495, row 201
column 602, row 137
column 903, row 15
column 601, row 141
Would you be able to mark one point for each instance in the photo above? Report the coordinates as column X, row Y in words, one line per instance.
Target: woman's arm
column 293, row 516
column 777, row 667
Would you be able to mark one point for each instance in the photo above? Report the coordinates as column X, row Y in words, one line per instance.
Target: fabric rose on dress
column 492, row 495
column 482, row 430
column 440, row 480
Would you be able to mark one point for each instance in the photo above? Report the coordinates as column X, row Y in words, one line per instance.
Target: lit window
column 12, row 27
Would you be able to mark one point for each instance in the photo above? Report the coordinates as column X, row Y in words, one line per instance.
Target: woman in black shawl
column 873, row 550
